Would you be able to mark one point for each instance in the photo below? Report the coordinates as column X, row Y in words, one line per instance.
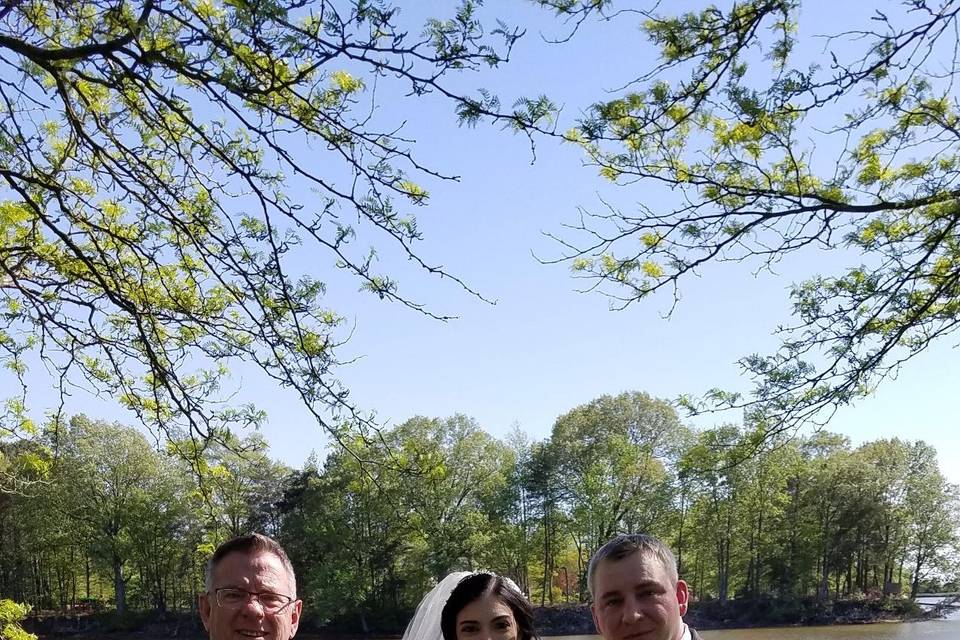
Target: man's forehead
column 240, row 564
column 636, row 568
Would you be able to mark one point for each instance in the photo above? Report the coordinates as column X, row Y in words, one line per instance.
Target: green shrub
column 11, row 613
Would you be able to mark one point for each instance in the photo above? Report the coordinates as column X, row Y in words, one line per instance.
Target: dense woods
column 122, row 523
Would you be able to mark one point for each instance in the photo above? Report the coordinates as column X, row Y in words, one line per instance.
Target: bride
column 473, row 606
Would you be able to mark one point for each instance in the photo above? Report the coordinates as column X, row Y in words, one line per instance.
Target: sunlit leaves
column 11, row 615
column 765, row 155
column 345, row 82
column 413, row 191
column 146, row 154
column 208, row 9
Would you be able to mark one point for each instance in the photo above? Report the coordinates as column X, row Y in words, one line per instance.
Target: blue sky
column 544, row 348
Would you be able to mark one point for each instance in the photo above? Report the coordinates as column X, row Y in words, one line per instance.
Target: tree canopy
column 119, row 524
column 753, row 139
column 148, row 151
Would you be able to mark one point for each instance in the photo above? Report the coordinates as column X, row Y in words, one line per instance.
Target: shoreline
column 551, row 621
column 752, row 614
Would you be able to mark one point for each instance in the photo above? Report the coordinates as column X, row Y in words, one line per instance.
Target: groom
column 636, row 591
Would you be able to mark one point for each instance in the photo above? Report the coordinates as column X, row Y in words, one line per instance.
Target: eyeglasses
column 233, row 598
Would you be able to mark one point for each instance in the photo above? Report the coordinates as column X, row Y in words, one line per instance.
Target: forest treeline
column 120, row 522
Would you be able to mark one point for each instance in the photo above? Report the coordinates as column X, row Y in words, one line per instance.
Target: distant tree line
column 121, row 522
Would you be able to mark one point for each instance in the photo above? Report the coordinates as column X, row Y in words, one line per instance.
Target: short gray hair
column 250, row 544
column 625, row 545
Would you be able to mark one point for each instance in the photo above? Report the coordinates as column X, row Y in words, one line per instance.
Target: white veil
column 425, row 624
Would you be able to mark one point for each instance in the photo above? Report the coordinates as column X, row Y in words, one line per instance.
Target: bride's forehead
column 487, row 607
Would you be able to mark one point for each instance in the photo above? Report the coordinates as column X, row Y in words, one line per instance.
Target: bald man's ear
column 203, row 604
column 295, row 612
column 683, row 596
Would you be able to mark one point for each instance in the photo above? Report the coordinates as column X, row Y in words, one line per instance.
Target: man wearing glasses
column 251, row 591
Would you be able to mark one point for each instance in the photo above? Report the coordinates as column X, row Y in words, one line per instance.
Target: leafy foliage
column 11, row 613
column 812, row 518
column 422, row 503
column 153, row 161
column 750, row 147
column 612, row 464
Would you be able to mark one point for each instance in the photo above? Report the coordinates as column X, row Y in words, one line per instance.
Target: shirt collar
column 686, row 632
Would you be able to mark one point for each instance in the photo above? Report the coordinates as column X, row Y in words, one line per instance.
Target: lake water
column 931, row 630
column 948, row 629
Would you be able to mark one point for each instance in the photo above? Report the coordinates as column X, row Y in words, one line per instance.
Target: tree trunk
column 119, row 586
column 915, row 583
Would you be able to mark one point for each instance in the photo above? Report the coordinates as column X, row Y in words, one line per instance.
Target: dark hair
column 250, row 544
column 475, row 587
